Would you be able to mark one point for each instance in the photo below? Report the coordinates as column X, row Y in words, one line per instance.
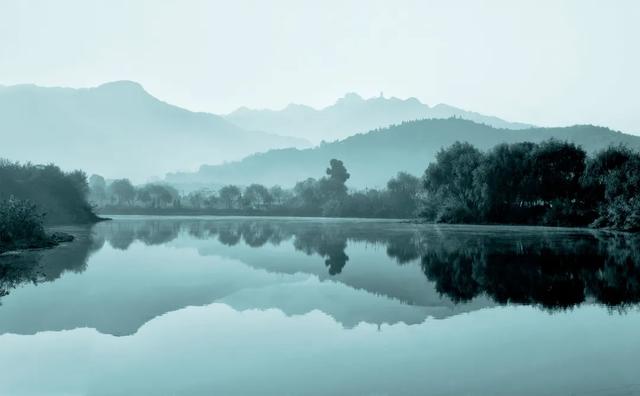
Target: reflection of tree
column 337, row 259
column 122, row 236
column 402, row 248
column 552, row 270
column 453, row 273
column 555, row 274
column 47, row 265
column 256, row 234
column 158, row 232
column 329, row 243
column 16, row 270
column 229, row 237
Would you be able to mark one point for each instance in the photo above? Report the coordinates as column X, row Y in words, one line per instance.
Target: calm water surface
column 242, row 306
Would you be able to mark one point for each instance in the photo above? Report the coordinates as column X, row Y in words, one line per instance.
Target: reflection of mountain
column 554, row 269
column 340, row 267
column 324, row 244
column 216, row 350
column 344, row 304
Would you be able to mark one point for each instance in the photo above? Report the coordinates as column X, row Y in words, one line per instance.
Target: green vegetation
column 553, row 183
column 376, row 156
column 550, row 183
column 32, row 196
column 61, row 196
column 21, row 227
column 327, row 196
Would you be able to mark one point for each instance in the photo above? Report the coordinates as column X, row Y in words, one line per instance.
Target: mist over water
column 315, row 306
column 344, row 197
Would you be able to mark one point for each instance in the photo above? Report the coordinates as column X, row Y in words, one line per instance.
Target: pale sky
column 543, row 62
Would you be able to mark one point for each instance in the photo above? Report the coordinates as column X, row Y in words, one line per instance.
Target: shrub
column 20, row 225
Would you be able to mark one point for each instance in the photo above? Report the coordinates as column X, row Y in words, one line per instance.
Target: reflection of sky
column 121, row 290
column 194, row 316
column 216, row 350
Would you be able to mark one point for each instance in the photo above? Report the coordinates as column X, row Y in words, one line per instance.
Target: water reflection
column 38, row 266
column 355, row 271
column 316, row 306
column 555, row 273
column 546, row 267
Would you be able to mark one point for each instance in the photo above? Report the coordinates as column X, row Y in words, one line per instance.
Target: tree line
column 326, row 196
column 550, row 183
column 60, row 196
column 34, row 195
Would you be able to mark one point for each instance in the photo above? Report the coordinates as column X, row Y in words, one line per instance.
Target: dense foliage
column 550, row 183
column 20, row 225
column 60, row 196
column 327, row 196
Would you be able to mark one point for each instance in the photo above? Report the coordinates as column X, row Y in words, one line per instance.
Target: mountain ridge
column 374, row 157
column 120, row 130
column 352, row 114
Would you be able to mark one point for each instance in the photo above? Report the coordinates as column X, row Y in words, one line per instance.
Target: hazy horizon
column 544, row 63
column 452, row 202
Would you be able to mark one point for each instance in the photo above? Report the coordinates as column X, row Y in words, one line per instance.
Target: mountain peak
column 350, row 98
column 122, row 85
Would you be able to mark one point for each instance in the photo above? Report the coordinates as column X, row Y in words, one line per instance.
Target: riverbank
column 48, row 241
column 135, row 211
column 276, row 212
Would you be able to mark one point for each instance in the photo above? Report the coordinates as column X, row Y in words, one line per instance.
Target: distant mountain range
column 374, row 157
column 119, row 130
column 350, row 115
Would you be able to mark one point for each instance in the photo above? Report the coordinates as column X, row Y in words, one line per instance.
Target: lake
column 283, row 306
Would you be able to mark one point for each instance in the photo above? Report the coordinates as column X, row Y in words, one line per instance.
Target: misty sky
column 543, row 62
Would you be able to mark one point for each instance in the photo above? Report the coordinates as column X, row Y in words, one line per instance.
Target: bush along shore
column 552, row 183
column 35, row 196
column 22, row 227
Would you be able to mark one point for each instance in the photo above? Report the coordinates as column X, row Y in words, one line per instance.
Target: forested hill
column 373, row 158
column 119, row 129
column 352, row 114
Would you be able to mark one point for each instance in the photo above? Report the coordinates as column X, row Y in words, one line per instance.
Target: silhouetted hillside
column 350, row 115
column 119, row 129
column 373, row 158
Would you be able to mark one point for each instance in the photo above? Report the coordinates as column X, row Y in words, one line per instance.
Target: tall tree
column 403, row 191
column 449, row 183
column 256, row 196
column 123, row 191
column 230, row 195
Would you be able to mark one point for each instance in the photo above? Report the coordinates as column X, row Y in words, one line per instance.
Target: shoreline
column 52, row 240
column 415, row 221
